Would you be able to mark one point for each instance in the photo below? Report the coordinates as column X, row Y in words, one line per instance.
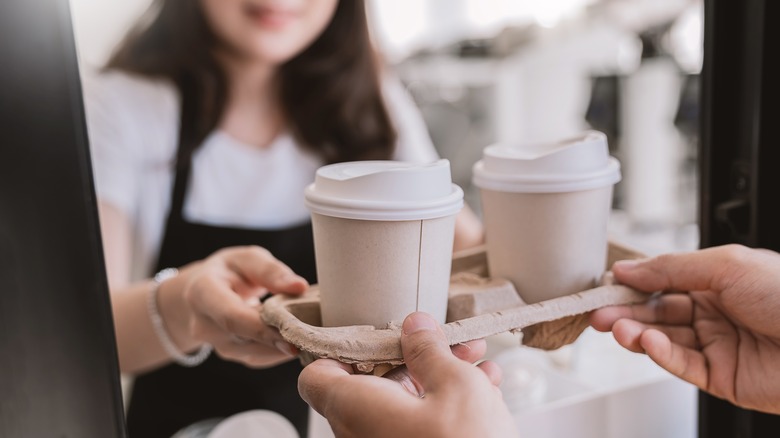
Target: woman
column 206, row 125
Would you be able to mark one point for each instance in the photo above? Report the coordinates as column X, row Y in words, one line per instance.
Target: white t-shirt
column 133, row 125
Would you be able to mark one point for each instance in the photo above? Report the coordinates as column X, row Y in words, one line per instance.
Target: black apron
column 172, row 397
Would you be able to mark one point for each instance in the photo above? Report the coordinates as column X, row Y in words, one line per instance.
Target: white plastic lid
column 384, row 191
column 580, row 163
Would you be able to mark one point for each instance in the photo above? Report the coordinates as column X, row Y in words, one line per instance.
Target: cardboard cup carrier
column 383, row 238
column 545, row 210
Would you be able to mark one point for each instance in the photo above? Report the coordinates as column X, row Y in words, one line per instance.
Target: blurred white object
column 686, row 38
column 664, row 408
column 524, row 381
column 606, row 392
column 255, row 424
column 652, row 147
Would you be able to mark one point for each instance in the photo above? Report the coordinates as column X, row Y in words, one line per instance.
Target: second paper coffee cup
column 545, row 210
column 383, row 236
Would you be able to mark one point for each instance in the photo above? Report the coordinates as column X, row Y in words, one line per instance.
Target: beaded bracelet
column 159, row 327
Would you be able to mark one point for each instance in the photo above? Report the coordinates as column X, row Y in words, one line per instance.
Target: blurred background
column 524, row 71
column 486, row 71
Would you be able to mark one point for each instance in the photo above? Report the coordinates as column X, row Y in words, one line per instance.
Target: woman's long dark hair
column 330, row 93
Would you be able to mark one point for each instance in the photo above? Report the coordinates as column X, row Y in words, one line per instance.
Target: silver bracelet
column 159, row 327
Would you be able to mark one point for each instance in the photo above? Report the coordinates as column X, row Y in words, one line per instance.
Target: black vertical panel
column 58, row 365
column 739, row 160
column 768, row 161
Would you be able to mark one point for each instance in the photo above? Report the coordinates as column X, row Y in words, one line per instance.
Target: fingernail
column 284, row 348
column 419, row 321
column 461, row 346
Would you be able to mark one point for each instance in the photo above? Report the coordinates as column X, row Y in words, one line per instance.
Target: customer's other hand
column 718, row 325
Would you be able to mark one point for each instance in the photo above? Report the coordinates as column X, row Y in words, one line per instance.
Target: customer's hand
column 455, row 398
column 722, row 336
column 216, row 301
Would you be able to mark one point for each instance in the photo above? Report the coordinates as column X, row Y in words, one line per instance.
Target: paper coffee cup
column 545, row 211
column 383, row 236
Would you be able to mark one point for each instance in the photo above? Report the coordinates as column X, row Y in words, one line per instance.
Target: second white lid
column 579, row 163
column 384, row 190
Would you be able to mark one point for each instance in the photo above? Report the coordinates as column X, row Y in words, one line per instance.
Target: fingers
column 427, row 353
column 672, row 351
column 685, row 363
column 218, row 294
column 471, row 351
column 318, row 380
column 352, row 403
column 220, row 317
column 628, row 333
column 253, row 353
column 672, row 309
column 492, row 371
column 215, row 300
column 258, row 267
column 699, row 270
column 402, row 376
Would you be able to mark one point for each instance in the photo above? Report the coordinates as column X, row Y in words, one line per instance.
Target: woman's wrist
column 175, row 313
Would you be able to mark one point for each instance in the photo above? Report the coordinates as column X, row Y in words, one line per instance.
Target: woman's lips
column 270, row 18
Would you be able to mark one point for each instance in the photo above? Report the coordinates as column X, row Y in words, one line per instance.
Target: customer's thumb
column 426, row 351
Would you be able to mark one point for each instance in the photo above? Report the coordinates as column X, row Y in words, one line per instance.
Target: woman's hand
column 213, row 301
column 216, row 301
column 722, row 334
